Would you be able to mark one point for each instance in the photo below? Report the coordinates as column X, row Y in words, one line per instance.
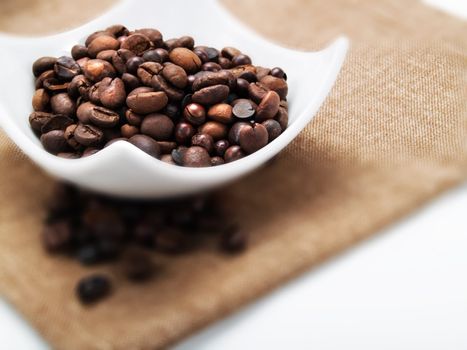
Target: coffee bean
column 107, row 55
column 203, row 140
column 217, row 161
column 261, row 72
column 137, row 43
column 146, row 102
column 225, row 63
column 82, row 62
column 175, row 75
column 186, row 59
column 40, row 100
column 88, row 135
column 55, row 85
column 84, row 112
column 160, row 84
column 195, row 113
column 242, row 87
column 245, row 71
column 48, row 74
column 244, row 109
column 196, row 157
column 133, row 118
column 88, row 255
column 146, row 144
column 66, row 68
column 221, row 112
column 93, row 288
column 212, row 78
column 211, row 95
column 153, row 35
column 158, row 126
column 164, row 54
column 268, row 107
column 282, row 117
column 70, row 137
column 38, row 119
column 79, row 51
column 43, row 64
column 79, row 86
column 54, row 141
column 276, row 84
column 183, row 133
column 202, row 54
column 230, row 52
column 96, row 70
column 257, row 91
column 56, row 236
column 57, row 122
column 211, row 67
column 63, row 104
column 233, row 153
column 94, row 35
column 215, row 129
column 102, row 43
column 147, row 70
column 234, row 132
column 112, row 92
column 220, row 147
column 253, row 138
column 167, row 146
column 128, row 130
column 240, row 60
column 233, row 241
column 103, row 117
column 273, row 127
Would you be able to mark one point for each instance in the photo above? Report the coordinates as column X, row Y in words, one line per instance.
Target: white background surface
column 406, row 288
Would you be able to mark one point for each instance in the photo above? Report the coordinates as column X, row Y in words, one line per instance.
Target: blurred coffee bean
column 128, row 130
column 233, row 241
column 56, row 236
column 57, row 122
column 79, row 51
column 215, row 129
column 92, row 288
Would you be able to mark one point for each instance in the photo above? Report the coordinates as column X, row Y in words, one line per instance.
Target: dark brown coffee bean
column 146, row 144
column 79, row 86
column 220, row 147
column 88, row 135
column 234, row 132
column 131, row 82
column 278, row 73
column 137, row 43
column 242, row 87
column 233, row 241
column 152, row 56
column 221, row 112
column 217, row 161
column 56, row 236
column 38, row 119
column 253, row 138
column 183, row 133
column 276, row 84
column 164, row 54
column 233, row 153
column 268, row 107
column 240, row 60
column 282, row 117
column 133, row 118
column 103, row 117
column 55, row 85
column 128, row 130
column 66, row 68
column 102, row 43
column 175, row 75
column 63, row 104
column 273, row 127
column 43, row 64
column 84, row 112
column 112, row 92
column 133, row 63
column 57, row 122
column 158, row 126
column 205, row 79
column 195, row 113
column 202, row 54
column 153, row 35
column 70, row 137
column 257, row 91
column 186, row 41
column 94, row 35
column 147, row 70
column 216, row 130
column 117, row 30
column 203, row 140
column 245, row 71
column 40, row 100
column 146, row 102
column 167, row 146
column 93, row 288
column 106, row 55
column 230, row 52
column 54, row 141
column 225, row 63
column 93, row 94
column 96, row 70
column 49, row 74
column 244, row 109
column 186, row 59
column 211, row 95
column 79, row 51
column 160, row 84
column 211, row 67
column 261, row 72
column 196, row 157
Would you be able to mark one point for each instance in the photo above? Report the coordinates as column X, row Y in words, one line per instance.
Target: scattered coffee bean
column 92, row 288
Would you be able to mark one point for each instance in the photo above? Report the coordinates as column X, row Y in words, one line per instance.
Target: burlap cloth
column 392, row 135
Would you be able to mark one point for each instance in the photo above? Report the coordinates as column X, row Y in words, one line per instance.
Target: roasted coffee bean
column 164, row 54
column 278, row 73
column 128, row 130
column 138, row 267
column 276, row 84
column 220, row 147
column 63, row 104
column 196, row 157
column 186, row 59
column 167, row 146
column 215, row 129
column 93, row 94
column 79, row 86
column 93, row 288
column 147, row 70
column 211, row 67
column 96, row 70
column 103, row 117
column 230, row 52
column 70, row 137
column 131, row 82
column 94, row 35
column 57, row 122
column 43, row 64
column 148, row 101
column 54, row 141
column 88, row 135
column 55, row 85
column 268, row 107
column 175, row 75
column 282, row 117
column 217, row 161
column 82, row 62
column 107, row 55
column 234, row 132
column 195, row 113
column 160, row 84
column 257, row 91
column 273, row 127
column 133, row 118
column 152, row 56
column 158, row 126
column 240, row 60
column 212, row 78
column 56, row 236
column 177, row 154
column 243, row 71
column 202, row 54
column 84, row 112
column 117, row 30
column 244, row 109
column 133, row 63
column 221, row 112
column 102, row 43
column 242, row 87
column 38, row 119
column 48, row 74
column 146, row 144
column 253, row 138
column 261, row 72
column 66, row 68
column 153, row 35
column 203, row 140
column 233, row 153
column 112, row 92
column 137, row 43
column 183, row 133
column 40, row 100
column 233, row 241
column 225, row 63
column 211, row 95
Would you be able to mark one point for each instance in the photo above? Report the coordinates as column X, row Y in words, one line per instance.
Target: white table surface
column 406, row 288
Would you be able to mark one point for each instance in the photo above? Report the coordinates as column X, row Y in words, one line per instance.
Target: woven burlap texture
column 392, row 134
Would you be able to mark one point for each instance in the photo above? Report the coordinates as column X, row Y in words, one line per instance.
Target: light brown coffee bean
column 186, row 59
column 221, row 112
column 268, row 107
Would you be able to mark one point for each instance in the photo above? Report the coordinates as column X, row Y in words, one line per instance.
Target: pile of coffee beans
column 187, row 105
column 95, row 229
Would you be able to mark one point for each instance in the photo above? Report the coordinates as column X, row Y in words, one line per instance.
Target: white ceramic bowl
column 124, row 170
